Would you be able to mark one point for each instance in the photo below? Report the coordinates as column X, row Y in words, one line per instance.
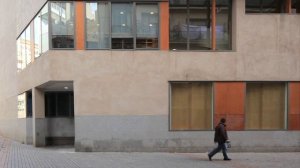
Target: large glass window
column 147, row 26
column 191, row 25
column 265, row 106
column 295, row 6
column 121, row 25
column 191, row 106
column 62, row 24
column 122, row 20
column 265, row 6
column 97, row 25
column 24, row 48
column 59, row 104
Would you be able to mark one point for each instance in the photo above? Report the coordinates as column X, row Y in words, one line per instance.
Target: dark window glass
column 223, row 25
column 265, row 6
column 146, row 43
column 71, row 97
column 199, row 25
column 295, row 6
column 63, row 104
column 178, row 24
column 59, row 104
column 29, row 104
column 62, row 21
column 50, row 104
column 122, row 43
column 191, row 21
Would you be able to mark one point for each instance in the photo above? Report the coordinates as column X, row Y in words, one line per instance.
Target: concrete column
column 38, row 118
column 29, row 138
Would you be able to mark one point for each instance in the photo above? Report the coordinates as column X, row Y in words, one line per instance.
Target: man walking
column 220, row 138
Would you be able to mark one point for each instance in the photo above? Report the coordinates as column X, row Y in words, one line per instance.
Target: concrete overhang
column 56, row 86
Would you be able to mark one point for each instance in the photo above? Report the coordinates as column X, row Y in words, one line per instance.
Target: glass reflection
column 223, row 24
column 62, row 22
column 19, row 55
column 45, row 28
column 23, row 50
column 190, row 25
column 37, row 36
column 97, row 25
column 199, row 25
column 22, row 105
column 178, row 25
column 147, row 26
column 28, row 45
column 121, row 20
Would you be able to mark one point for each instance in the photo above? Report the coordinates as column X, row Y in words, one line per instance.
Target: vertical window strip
column 213, row 26
column 288, row 6
column 79, row 39
column 286, row 105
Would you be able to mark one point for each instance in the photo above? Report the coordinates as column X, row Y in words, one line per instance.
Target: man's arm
column 223, row 132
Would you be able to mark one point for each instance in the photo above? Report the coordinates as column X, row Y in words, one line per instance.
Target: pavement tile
column 16, row 155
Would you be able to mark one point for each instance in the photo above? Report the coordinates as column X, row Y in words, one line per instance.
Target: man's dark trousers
column 221, row 146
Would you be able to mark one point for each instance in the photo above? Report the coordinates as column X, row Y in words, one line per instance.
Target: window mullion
column 288, row 6
column 213, row 25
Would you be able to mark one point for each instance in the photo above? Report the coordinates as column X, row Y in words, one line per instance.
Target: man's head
column 223, row 120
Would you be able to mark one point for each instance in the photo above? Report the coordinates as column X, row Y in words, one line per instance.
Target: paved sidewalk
column 16, row 155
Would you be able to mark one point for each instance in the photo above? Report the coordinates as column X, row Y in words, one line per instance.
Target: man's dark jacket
column 220, row 133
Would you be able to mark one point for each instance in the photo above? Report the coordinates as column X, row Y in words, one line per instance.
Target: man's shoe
column 227, row 159
column 209, row 157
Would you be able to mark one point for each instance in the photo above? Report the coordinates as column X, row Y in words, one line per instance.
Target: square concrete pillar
column 38, row 118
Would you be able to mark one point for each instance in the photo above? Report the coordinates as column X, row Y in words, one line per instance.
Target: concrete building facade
column 161, row 89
